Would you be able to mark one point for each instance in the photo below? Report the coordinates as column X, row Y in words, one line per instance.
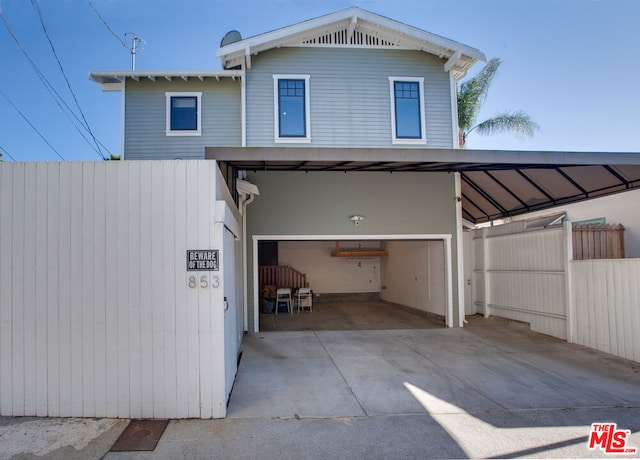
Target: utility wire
column 135, row 42
column 30, row 124
column 93, row 7
column 64, row 74
column 4, row 152
column 50, row 88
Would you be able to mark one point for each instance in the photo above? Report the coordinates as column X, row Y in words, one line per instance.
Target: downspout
column 247, row 198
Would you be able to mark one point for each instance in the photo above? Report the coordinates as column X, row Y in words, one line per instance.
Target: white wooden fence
column 528, row 275
column 520, row 275
column 605, row 303
column 99, row 316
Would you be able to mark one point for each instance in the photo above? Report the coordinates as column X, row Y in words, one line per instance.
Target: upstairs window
column 407, row 107
column 291, row 101
column 183, row 114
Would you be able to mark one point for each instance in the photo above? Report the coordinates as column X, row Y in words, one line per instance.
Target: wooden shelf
column 357, row 253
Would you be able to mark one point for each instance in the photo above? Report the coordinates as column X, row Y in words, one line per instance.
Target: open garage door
column 356, row 283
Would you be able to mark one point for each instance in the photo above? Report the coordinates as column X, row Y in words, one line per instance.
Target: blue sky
column 570, row 64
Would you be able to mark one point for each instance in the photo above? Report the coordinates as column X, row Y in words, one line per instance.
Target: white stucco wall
column 622, row 208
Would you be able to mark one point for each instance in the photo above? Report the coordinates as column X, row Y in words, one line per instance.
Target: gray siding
column 145, row 118
column 349, row 92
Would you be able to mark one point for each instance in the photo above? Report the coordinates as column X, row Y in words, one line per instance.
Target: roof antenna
column 137, row 44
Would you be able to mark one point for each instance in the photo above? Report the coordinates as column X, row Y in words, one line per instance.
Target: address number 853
column 204, row 282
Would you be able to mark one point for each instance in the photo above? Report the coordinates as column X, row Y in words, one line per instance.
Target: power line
column 73, row 94
column 93, row 7
column 137, row 43
column 50, row 88
column 4, row 151
column 30, row 124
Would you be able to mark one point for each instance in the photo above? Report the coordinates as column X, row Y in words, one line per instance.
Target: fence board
column 84, row 311
column 183, row 297
column 598, row 241
column 145, row 318
column 607, row 297
column 124, row 250
column 111, row 293
column 41, row 294
column 69, row 374
column 6, row 255
column 157, row 294
column 99, row 362
column 169, row 280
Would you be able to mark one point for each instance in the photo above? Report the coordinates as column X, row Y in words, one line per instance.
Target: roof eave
column 112, row 80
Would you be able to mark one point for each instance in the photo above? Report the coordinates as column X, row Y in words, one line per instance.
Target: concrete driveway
column 492, row 389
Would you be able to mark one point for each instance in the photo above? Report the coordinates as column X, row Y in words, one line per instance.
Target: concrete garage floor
column 345, row 316
column 491, row 389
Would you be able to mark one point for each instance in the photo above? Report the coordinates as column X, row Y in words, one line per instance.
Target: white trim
column 247, row 57
column 452, row 61
column 453, row 88
column 448, row 266
column 243, row 112
column 198, row 130
column 122, row 120
column 307, row 108
column 570, row 308
column 392, row 98
column 459, row 248
column 446, row 238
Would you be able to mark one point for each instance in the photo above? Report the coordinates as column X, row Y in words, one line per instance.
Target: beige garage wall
column 414, row 275
column 336, row 275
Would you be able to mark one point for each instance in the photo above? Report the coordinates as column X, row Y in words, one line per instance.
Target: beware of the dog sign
column 202, row 259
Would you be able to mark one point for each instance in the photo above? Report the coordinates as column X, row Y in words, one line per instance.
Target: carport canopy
column 495, row 183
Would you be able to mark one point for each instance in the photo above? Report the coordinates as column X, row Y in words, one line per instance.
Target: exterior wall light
column 356, row 219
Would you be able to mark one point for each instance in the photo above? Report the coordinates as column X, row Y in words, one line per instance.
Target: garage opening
column 393, row 282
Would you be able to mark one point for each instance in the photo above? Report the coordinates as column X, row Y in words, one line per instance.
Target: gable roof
column 353, row 28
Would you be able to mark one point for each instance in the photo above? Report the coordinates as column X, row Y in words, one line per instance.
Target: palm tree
column 472, row 94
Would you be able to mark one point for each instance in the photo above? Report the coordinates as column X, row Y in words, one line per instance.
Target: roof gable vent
column 343, row 37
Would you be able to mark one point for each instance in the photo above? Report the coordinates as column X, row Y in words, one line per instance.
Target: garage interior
column 355, row 285
column 493, row 185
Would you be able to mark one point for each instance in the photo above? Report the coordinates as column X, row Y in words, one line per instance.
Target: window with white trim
column 407, row 110
column 184, row 114
column 291, row 108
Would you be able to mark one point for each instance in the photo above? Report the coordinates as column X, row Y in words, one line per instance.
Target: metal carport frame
column 495, row 183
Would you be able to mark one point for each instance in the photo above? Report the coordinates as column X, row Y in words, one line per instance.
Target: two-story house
column 346, row 125
column 126, row 286
column 325, row 117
